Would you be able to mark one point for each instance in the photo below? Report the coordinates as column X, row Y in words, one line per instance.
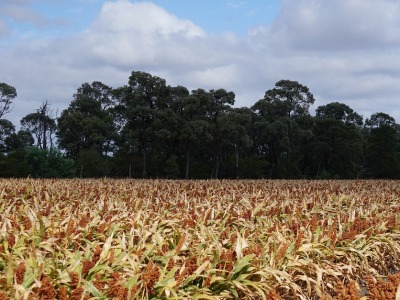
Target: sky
column 344, row 51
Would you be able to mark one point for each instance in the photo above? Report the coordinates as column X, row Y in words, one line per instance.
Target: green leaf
column 29, row 279
column 92, row 289
column 317, row 234
column 241, row 265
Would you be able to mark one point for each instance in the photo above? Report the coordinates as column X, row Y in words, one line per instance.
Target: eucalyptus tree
column 6, row 130
column 339, row 111
column 173, row 139
column 294, row 99
column 87, row 124
column 10, row 140
column 139, row 104
column 42, row 125
column 235, row 130
column 336, row 149
column 382, row 150
column 13, row 146
column 7, row 94
column 278, row 131
column 195, row 129
column 219, row 103
column 20, row 140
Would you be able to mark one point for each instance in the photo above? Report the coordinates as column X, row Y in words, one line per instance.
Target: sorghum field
column 143, row 239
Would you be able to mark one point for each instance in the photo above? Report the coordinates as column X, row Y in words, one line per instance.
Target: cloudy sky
column 343, row 50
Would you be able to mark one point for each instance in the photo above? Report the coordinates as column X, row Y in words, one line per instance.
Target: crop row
column 140, row 239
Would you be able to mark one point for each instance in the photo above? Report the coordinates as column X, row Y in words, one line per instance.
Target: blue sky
column 343, row 50
column 220, row 16
column 55, row 18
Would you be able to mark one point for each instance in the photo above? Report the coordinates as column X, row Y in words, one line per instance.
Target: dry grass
column 139, row 239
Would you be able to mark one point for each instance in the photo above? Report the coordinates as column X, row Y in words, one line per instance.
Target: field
column 144, row 239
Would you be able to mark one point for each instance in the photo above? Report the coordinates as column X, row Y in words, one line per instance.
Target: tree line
column 148, row 129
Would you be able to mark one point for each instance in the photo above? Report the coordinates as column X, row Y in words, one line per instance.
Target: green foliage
column 382, row 142
column 292, row 98
column 20, row 140
column 336, row 149
column 6, row 130
column 13, row 165
column 50, row 163
column 171, row 168
column 150, row 129
column 91, row 164
column 340, row 112
column 141, row 107
column 253, row 167
column 40, row 124
column 7, row 94
column 87, row 123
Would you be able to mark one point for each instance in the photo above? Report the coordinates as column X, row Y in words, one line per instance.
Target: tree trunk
column 43, row 111
column 44, row 135
column 319, row 165
column 39, row 140
column 187, row 164
column 144, row 173
column 272, row 165
column 237, row 161
column 217, row 167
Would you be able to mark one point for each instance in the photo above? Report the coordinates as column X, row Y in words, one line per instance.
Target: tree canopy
column 147, row 128
column 7, row 94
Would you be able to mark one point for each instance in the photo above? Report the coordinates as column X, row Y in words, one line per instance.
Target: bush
column 48, row 163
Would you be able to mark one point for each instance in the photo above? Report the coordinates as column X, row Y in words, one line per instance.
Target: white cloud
column 146, row 17
column 335, row 25
column 343, row 50
column 142, row 34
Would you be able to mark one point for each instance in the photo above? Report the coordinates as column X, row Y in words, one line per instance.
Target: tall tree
column 335, row 151
column 21, row 140
column 41, row 125
column 278, row 141
column 220, row 102
column 278, row 126
column 336, row 148
column 194, row 129
column 339, row 111
column 382, row 143
column 88, row 122
column 378, row 120
column 295, row 98
column 139, row 104
column 235, row 132
column 7, row 94
column 6, row 130
column 13, row 149
column 167, row 132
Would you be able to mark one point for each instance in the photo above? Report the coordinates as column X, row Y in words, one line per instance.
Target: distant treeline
column 148, row 129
